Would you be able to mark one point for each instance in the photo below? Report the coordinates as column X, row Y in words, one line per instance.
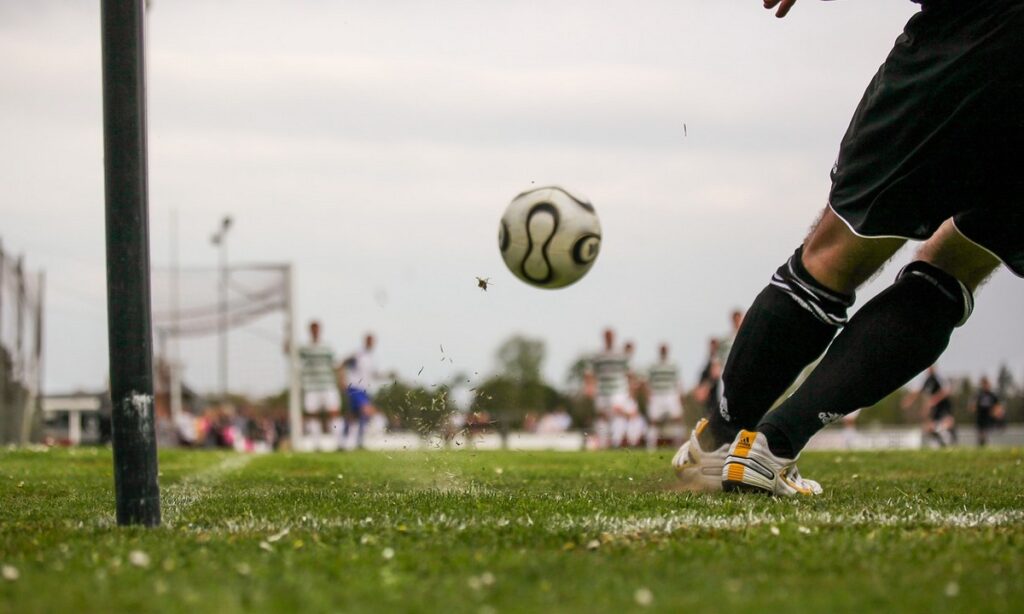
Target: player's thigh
column 842, row 260
column 962, row 258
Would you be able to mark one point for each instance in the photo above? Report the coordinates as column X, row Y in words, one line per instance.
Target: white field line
column 179, row 497
column 633, row 525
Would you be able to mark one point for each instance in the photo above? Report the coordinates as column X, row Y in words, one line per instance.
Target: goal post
column 294, row 381
column 129, row 324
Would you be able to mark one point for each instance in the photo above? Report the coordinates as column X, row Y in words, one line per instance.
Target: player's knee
column 799, row 285
column 948, row 286
column 952, row 252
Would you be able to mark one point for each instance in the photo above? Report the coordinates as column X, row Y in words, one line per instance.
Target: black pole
column 129, row 325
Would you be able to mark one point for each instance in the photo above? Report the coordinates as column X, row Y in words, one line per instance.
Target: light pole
column 219, row 239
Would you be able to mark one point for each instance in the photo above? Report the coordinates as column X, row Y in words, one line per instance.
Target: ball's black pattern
column 503, row 237
column 585, row 249
column 551, row 210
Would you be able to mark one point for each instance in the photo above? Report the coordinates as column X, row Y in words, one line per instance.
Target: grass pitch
column 511, row 532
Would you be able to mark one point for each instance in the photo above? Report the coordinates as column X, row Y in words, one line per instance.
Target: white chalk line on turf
column 633, row 525
column 181, row 496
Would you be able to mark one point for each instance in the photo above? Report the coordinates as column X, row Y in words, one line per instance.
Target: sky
column 374, row 146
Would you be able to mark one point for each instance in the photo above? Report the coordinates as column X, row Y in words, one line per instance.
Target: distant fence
column 21, row 350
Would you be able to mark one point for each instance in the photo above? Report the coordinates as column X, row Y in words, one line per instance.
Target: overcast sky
column 374, row 145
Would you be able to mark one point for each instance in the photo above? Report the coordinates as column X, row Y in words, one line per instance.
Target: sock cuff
column 823, row 303
column 949, row 286
column 796, row 265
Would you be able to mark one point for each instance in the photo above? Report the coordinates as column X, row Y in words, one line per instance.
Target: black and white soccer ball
column 549, row 238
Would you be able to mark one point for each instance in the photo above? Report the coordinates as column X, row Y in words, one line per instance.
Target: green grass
column 512, row 532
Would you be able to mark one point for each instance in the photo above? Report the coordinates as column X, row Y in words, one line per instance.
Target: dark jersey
column 984, row 404
column 933, row 385
column 712, row 383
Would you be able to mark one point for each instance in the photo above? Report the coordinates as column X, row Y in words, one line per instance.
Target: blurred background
column 349, row 162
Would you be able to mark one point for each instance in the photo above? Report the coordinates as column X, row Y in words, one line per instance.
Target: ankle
column 717, row 434
column 778, row 442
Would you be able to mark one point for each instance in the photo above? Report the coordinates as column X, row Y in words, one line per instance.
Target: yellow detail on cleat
column 794, row 485
column 703, row 424
column 746, row 440
column 735, row 473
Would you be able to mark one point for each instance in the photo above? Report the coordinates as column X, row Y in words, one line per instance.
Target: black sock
column 893, row 337
column 789, row 325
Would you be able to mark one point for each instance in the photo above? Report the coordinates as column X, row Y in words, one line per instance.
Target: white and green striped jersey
column 663, row 378
column 316, row 368
column 611, row 369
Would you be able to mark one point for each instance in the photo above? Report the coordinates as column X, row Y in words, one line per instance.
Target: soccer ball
column 549, row 238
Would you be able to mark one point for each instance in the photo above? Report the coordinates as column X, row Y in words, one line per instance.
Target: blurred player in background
column 360, row 375
column 320, row 399
column 932, row 154
column 607, row 382
column 707, row 390
column 938, row 421
column 629, row 428
column 725, row 344
column 665, row 401
column 987, row 409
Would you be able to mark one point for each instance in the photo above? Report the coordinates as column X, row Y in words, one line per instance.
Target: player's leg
column 674, row 427
column 618, row 428
column 792, row 321
column 948, row 425
column 335, row 424
column 892, row 338
column 312, row 405
column 351, row 431
column 983, row 430
column 602, row 422
column 636, row 426
column 656, row 417
column 369, row 411
column 654, row 429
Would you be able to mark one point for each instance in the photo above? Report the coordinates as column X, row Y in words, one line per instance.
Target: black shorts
column 939, row 133
column 940, row 411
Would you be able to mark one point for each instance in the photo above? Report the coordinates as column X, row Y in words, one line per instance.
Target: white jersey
column 611, row 369
column 360, row 370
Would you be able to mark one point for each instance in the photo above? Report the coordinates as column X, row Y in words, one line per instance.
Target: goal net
column 226, row 331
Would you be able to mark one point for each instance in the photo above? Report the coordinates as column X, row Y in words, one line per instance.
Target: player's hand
column 784, row 6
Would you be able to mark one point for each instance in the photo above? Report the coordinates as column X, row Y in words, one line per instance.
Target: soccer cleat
column 750, row 466
column 699, row 470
